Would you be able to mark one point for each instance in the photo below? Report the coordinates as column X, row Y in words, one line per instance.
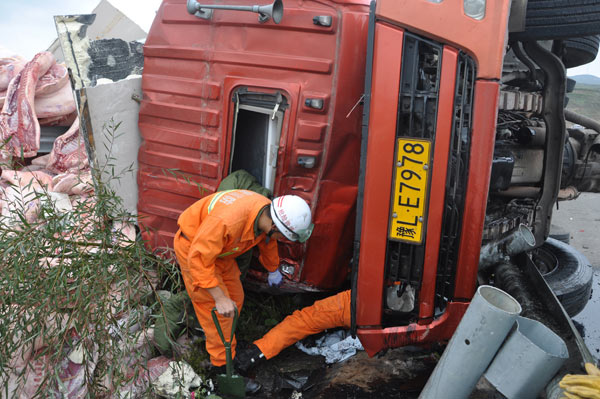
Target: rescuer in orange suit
column 217, row 228
column 331, row 312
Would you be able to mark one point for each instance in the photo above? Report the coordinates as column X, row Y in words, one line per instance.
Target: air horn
column 266, row 12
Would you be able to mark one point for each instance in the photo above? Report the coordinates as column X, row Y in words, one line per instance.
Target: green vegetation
column 585, row 100
column 74, row 286
column 76, row 293
column 262, row 312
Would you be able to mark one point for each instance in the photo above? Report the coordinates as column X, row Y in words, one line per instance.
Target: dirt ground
column 581, row 218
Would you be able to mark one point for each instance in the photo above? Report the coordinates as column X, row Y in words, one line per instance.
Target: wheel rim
column 545, row 261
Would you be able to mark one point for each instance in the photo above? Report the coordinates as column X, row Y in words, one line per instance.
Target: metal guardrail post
column 482, row 330
column 529, row 358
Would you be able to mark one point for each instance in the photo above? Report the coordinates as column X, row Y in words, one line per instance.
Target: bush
column 77, row 292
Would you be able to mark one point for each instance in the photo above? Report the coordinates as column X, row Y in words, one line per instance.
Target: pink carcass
column 20, row 178
column 58, row 103
column 60, row 120
column 9, row 68
column 21, row 197
column 141, row 377
column 41, row 161
column 56, row 78
column 52, row 81
column 68, row 152
column 73, row 184
column 18, row 120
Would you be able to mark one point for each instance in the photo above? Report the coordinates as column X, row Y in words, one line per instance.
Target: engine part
column 584, row 121
column 513, row 100
column 502, row 218
column 519, row 240
column 528, row 165
column 569, row 161
column 554, row 96
column 520, row 192
column 502, row 170
column 532, row 135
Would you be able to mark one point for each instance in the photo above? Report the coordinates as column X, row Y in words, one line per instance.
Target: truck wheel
column 560, row 19
column 568, row 273
column 580, row 51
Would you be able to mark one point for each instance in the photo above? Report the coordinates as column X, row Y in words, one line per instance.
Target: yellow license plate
column 411, row 177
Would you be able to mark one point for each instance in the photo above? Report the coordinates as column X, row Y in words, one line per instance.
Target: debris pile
column 38, row 93
column 78, row 281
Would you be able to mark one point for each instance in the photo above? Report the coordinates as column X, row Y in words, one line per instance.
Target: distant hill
column 585, row 99
column 586, row 79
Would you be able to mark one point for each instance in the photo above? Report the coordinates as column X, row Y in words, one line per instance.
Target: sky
column 27, row 26
column 593, row 68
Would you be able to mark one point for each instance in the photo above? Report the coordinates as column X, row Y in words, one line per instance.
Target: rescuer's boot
column 247, row 358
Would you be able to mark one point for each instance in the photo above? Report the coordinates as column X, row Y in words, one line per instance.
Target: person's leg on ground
column 331, row 312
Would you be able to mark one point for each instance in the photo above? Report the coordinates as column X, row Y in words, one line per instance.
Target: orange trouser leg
column 203, row 306
column 330, row 312
column 229, row 282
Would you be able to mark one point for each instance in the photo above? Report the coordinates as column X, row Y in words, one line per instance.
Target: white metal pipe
column 482, row 330
column 519, row 240
column 529, row 358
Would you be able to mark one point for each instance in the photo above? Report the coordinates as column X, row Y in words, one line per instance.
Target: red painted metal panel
column 250, row 59
column 387, row 59
column 191, row 67
column 437, row 192
column 446, row 22
column 375, row 340
column 480, row 165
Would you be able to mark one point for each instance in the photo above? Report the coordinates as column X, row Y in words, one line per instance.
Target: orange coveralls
column 331, row 312
column 212, row 232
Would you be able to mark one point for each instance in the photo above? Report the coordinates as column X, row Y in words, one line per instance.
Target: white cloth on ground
column 336, row 346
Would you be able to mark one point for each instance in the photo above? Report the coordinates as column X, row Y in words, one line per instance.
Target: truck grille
column 417, row 117
column 417, row 110
column 456, row 180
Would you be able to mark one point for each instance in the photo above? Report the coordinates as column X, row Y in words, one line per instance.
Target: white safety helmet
column 291, row 215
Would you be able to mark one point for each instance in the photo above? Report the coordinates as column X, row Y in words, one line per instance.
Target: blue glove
column 275, row 278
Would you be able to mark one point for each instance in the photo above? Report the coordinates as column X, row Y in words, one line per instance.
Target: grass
column 585, row 100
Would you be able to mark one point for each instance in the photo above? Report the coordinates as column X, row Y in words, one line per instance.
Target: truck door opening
column 256, row 133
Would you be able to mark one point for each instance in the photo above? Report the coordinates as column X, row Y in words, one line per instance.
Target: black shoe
column 252, row 386
column 247, row 358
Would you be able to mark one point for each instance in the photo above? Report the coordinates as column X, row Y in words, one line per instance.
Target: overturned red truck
column 419, row 131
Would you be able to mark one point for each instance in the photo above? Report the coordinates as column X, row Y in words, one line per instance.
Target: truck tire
column 568, row 273
column 560, row 19
column 580, row 51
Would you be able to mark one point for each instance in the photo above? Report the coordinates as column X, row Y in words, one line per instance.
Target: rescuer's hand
column 225, row 306
column 275, row 278
column 582, row 386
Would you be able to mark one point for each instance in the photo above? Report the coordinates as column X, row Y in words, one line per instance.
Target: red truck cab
column 384, row 117
column 279, row 100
